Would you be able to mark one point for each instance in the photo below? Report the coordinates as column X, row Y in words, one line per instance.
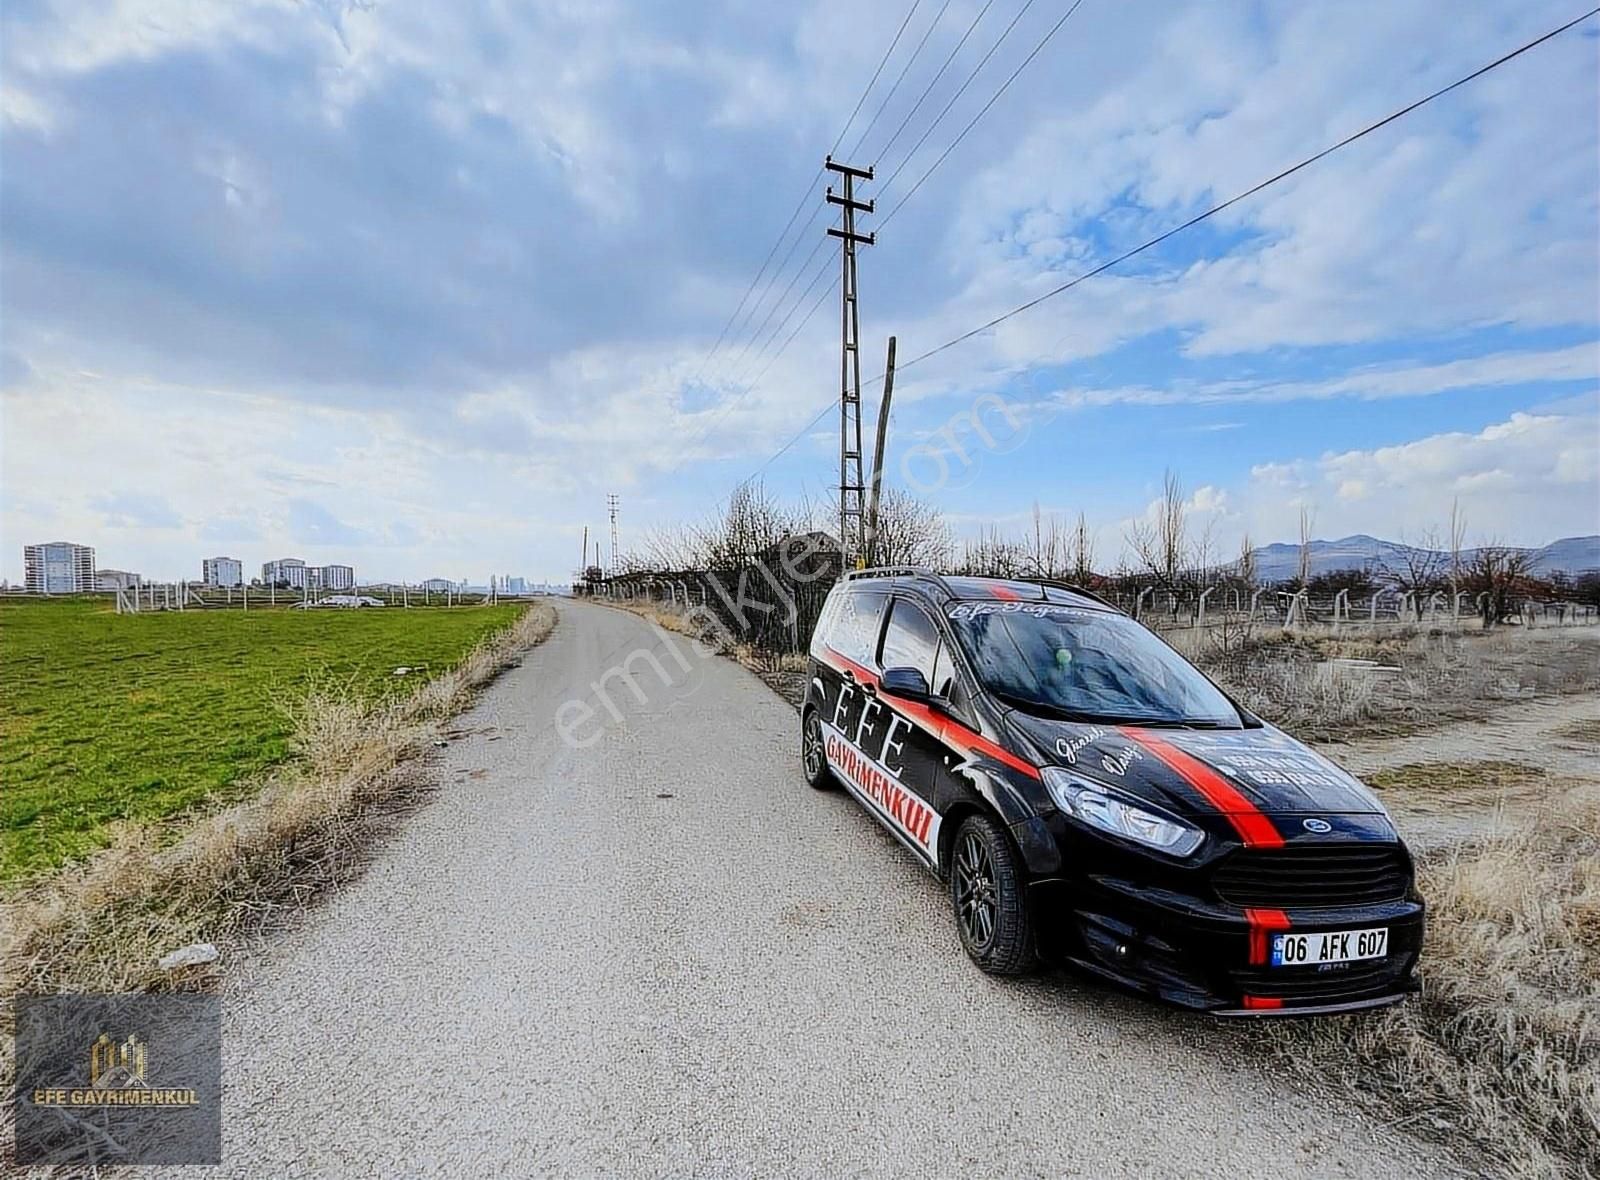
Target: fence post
column 1204, row 594
column 1138, row 602
column 1341, row 601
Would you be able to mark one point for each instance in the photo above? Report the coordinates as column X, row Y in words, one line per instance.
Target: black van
column 1091, row 796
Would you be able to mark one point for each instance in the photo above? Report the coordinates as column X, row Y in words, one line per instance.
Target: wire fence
column 774, row 608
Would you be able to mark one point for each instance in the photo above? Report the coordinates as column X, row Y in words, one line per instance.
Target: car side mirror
column 906, row 683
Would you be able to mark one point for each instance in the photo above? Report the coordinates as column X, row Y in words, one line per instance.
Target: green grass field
column 106, row 717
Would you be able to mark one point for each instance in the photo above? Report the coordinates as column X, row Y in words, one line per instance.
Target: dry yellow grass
column 100, row 926
column 1500, row 1055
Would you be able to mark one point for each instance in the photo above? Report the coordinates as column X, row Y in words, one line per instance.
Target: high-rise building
column 286, row 571
column 334, row 577
column 58, row 567
column 222, row 571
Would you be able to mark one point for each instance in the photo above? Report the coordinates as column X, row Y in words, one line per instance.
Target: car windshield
column 1085, row 665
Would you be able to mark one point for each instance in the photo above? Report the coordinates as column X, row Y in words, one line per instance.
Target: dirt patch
column 1332, row 687
column 1585, row 732
column 1452, row 785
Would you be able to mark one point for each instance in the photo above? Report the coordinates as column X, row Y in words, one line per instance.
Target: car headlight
column 1102, row 808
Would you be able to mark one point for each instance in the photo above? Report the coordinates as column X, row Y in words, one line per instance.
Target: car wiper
column 1054, row 712
column 1178, row 723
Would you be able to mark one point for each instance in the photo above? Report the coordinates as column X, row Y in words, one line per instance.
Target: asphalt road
column 664, row 954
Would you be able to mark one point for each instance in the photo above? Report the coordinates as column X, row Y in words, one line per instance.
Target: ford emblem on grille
column 1316, row 825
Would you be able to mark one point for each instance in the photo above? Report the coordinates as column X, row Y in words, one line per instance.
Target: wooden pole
column 877, row 458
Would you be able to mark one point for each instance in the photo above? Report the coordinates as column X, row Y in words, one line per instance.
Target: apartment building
column 222, row 571
column 58, row 567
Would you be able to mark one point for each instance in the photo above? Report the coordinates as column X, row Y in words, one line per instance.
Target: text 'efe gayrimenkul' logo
column 117, row 1077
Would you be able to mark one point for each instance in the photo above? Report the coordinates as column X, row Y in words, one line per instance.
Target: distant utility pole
column 852, row 491
column 611, row 503
column 873, row 548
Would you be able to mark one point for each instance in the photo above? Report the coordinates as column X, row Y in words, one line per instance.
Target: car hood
column 1267, row 770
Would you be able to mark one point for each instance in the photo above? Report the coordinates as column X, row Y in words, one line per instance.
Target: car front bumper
column 1212, row 956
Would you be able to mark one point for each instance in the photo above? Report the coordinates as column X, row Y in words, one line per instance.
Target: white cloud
column 1526, row 480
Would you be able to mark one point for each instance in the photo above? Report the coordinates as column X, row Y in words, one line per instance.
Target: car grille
column 1353, row 981
column 1312, row 875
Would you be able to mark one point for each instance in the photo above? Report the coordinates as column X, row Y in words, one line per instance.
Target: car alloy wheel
column 812, row 759
column 975, row 892
column 988, row 888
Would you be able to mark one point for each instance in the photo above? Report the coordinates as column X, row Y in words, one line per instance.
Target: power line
column 954, row 98
column 973, row 122
column 905, row 69
column 981, row 113
column 771, row 311
column 934, row 81
column 881, row 63
column 1196, row 220
column 805, row 196
column 926, row 133
column 1249, row 192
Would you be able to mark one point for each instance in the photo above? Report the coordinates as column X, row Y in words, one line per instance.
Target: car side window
column 944, row 672
column 854, row 630
column 911, row 640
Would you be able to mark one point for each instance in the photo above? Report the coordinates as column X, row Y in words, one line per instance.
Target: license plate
column 1332, row 946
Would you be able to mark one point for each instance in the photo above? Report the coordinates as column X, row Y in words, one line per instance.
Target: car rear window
column 849, row 624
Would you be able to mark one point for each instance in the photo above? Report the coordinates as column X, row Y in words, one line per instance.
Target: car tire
column 989, row 896
column 813, row 762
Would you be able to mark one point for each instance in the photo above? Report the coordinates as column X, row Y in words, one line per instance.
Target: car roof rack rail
column 914, row 571
column 901, row 571
column 1057, row 584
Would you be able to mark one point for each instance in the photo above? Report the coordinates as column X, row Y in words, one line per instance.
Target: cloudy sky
column 416, row 285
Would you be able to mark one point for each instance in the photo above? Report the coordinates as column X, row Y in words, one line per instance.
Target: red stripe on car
column 1263, row 923
column 1262, row 1003
column 1005, row 592
column 940, row 726
column 1254, row 828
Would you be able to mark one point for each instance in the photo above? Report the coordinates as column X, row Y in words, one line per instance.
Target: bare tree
column 1308, row 521
column 911, row 531
column 1458, row 531
column 1246, row 568
column 1204, row 554
column 1082, row 552
column 1161, row 546
column 1416, row 569
column 994, row 556
column 1045, row 547
column 1499, row 575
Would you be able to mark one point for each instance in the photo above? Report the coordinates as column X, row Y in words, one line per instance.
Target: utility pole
column 611, row 503
column 877, row 458
column 852, row 491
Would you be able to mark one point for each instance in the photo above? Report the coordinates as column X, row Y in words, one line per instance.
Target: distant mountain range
column 1274, row 563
